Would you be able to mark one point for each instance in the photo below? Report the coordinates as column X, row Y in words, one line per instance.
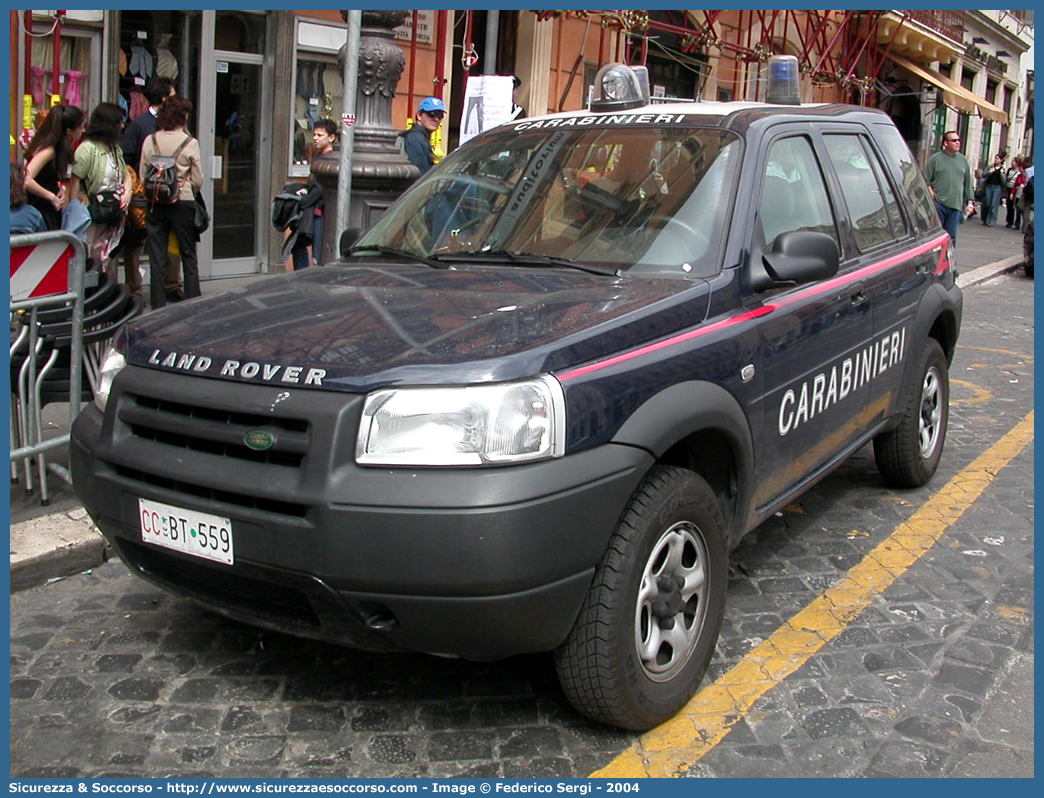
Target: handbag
column 104, row 206
column 202, row 218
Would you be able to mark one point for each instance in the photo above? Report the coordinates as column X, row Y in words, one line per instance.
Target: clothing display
column 139, row 104
column 39, row 74
column 140, row 62
column 72, row 87
column 166, row 63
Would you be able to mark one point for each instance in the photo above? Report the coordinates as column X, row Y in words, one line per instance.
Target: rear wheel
column 908, row 455
column 648, row 626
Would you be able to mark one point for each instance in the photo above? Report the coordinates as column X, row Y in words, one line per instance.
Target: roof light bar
column 618, row 87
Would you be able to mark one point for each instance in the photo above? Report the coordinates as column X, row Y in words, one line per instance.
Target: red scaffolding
column 834, row 48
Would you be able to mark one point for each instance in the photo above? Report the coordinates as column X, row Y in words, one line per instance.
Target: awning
column 954, row 94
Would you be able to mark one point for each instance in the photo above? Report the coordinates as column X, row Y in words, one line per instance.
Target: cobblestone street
column 111, row 677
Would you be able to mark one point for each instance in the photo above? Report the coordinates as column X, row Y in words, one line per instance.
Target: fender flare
column 686, row 408
column 935, row 304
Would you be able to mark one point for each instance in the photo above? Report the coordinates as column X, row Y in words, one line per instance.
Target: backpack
column 161, row 175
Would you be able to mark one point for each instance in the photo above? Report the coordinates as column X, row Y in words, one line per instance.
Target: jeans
column 161, row 219
column 949, row 218
column 1014, row 212
column 991, row 204
column 300, row 250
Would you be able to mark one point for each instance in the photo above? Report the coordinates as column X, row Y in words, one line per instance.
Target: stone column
column 380, row 172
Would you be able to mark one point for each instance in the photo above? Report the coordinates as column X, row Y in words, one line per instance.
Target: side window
column 869, row 198
column 925, row 217
column 794, row 195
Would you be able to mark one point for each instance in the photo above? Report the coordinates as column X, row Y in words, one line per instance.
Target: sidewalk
column 58, row 540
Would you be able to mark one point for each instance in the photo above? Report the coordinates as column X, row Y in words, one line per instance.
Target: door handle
column 857, row 293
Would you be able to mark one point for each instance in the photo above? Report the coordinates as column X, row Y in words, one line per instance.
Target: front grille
column 265, row 600
column 213, row 431
column 215, row 494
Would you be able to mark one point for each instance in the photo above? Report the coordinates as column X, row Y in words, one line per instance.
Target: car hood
column 354, row 328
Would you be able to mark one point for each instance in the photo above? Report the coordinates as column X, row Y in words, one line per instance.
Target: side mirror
column 796, row 257
column 348, row 239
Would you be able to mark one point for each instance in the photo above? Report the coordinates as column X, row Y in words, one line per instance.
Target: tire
column 908, row 455
column 618, row 664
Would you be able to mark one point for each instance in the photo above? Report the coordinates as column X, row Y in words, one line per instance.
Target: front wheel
column 647, row 629
column 908, row 455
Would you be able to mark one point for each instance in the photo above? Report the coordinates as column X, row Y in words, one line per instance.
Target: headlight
column 472, row 425
column 111, row 365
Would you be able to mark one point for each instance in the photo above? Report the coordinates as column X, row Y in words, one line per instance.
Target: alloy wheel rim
column 931, row 414
column 671, row 605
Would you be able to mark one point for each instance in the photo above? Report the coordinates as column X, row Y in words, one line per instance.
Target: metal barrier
column 48, row 281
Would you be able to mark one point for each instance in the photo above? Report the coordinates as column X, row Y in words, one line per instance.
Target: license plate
column 188, row 531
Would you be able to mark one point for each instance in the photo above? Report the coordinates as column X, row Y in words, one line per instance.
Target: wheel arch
column 700, row 426
column 939, row 318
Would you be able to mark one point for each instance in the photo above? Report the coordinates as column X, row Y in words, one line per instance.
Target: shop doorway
column 236, row 165
column 236, row 143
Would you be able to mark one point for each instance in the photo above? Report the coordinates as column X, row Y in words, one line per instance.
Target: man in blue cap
column 417, row 139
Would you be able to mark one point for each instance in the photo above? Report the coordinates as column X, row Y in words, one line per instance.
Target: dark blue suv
column 533, row 407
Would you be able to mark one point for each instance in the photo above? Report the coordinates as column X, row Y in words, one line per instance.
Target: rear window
column 925, row 217
column 872, row 206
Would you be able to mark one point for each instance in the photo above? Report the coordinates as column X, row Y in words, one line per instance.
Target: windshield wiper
column 526, row 259
column 392, row 252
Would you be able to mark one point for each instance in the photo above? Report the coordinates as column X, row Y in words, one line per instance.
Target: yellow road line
column 672, row 747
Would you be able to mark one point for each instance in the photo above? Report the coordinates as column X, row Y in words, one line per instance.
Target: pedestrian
column 24, row 217
column 1014, row 180
column 100, row 173
column 49, row 159
column 310, row 225
column 993, row 182
column 172, row 139
column 949, row 178
column 140, row 128
column 1026, row 203
column 517, row 111
column 417, row 139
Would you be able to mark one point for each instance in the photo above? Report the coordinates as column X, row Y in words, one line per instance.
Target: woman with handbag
column 99, row 169
column 48, row 159
column 172, row 140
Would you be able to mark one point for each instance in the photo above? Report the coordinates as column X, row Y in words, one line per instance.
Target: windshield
column 645, row 199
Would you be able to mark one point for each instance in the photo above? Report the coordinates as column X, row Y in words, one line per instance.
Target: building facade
column 259, row 79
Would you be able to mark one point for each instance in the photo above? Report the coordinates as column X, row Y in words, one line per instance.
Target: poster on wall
column 487, row 103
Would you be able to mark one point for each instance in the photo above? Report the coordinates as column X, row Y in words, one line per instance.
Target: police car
column 534, row 406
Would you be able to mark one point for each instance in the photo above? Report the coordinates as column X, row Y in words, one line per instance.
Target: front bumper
column 480, row 563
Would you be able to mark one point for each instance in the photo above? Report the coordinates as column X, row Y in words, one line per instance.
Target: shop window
column 239, row 31
column 318, row 94
column 985, row 142
column 75, row 83
column 152, row 44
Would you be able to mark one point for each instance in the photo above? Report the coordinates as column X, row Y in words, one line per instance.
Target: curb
column 54, row 546
column 989, row 271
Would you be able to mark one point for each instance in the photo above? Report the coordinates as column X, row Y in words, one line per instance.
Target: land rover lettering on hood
column 533, row 406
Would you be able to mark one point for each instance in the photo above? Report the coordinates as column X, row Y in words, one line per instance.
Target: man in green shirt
column 949, row 177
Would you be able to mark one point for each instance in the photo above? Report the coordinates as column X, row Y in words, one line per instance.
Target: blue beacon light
column 783, row 81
